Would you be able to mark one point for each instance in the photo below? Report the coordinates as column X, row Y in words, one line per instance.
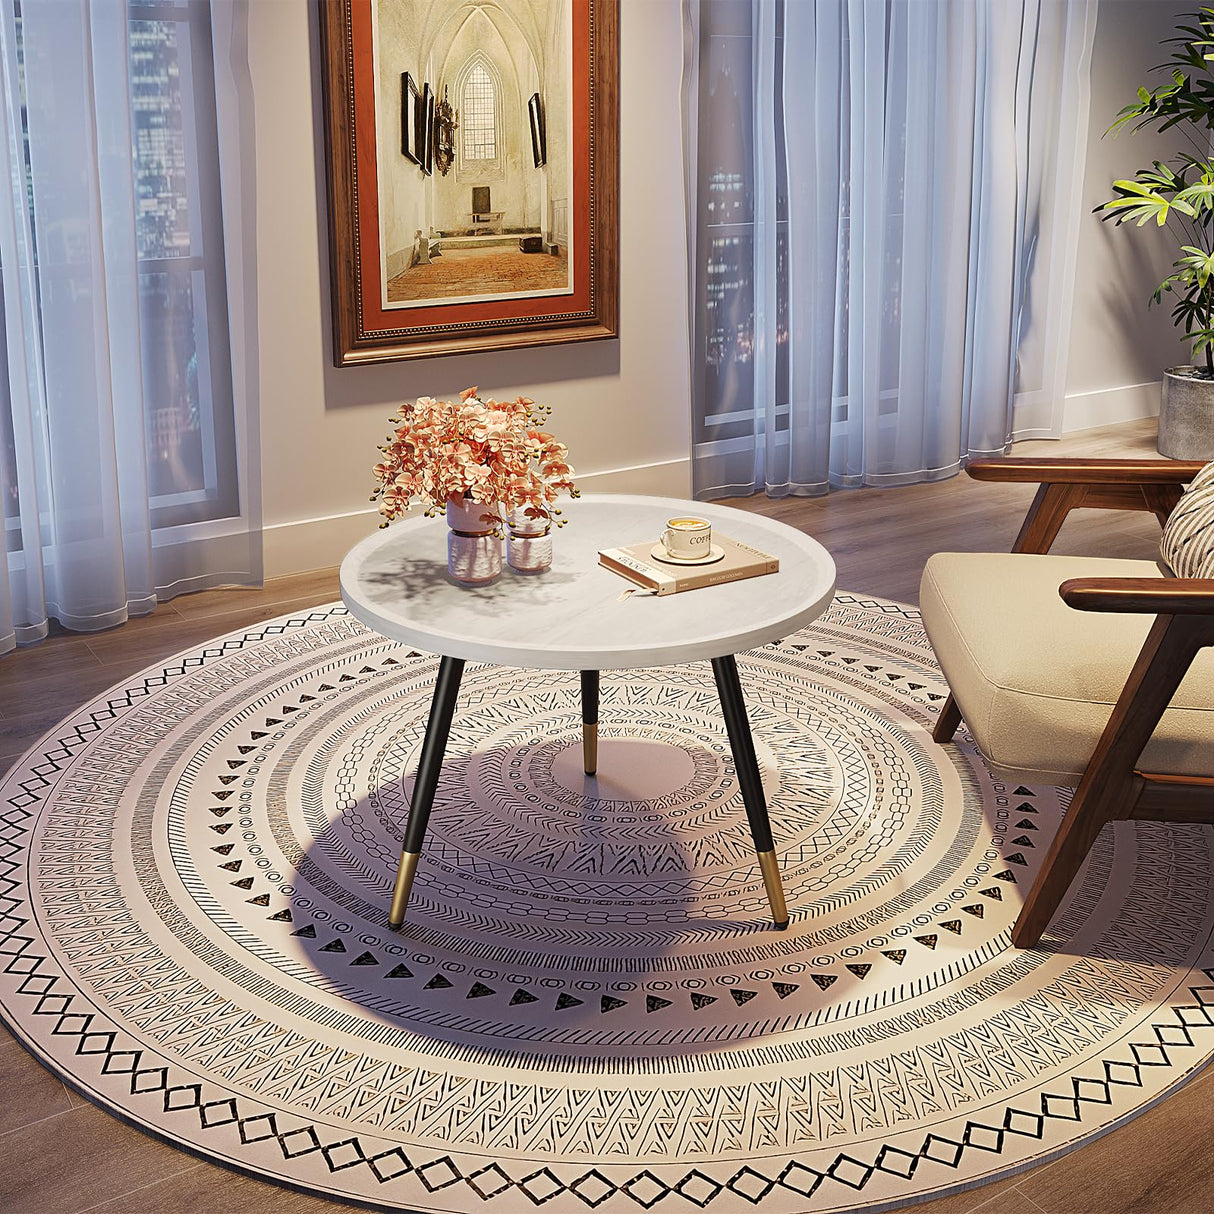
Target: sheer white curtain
column 883, row 207
column 119, row 426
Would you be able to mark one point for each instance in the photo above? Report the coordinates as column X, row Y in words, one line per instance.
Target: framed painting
column 408, row 117
column 506, row 237
column 535, row 112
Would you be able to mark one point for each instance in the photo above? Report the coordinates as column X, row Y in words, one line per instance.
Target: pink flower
column 495, row 452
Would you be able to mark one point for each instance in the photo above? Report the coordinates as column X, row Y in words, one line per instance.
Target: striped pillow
column 1187, row 546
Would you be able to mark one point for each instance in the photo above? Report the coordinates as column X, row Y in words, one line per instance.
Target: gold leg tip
column 775, row 891
column 402, row 890
column 782, row 926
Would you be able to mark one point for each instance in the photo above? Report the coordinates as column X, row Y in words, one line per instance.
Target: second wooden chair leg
column 1076, row 834
column 950, row 718
column 1110, row 787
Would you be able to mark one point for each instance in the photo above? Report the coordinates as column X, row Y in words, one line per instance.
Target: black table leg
column 438, row 727
column 746, row 764
column 590, row 721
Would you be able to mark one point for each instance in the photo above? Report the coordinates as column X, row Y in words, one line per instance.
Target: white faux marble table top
column 575, row 617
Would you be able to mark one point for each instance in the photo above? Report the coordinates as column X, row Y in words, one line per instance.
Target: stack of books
column 637, row 563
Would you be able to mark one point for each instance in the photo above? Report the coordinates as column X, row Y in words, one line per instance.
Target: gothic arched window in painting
column 479, row 118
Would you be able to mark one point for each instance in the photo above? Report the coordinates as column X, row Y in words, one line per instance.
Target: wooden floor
column 61, row 1155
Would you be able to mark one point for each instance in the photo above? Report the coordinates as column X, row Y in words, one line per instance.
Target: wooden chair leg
column 1110, row 787
column 1051, row 505
column 1083, row 823
column 950, row 718
column 1161, row 500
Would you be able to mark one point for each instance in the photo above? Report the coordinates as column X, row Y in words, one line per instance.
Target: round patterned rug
column 587, row 1007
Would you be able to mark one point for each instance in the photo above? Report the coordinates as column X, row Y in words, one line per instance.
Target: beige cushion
column 1036, row 680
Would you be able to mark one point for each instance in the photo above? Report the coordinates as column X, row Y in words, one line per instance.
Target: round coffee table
column 578, row 616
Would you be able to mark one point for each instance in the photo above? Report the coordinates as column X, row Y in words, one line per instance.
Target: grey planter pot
column 1186, row 416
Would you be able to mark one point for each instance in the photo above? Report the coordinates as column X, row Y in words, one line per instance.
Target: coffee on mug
column 687, row 538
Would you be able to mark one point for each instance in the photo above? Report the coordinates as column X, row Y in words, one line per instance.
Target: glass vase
column 474, row 546
column 529, row 542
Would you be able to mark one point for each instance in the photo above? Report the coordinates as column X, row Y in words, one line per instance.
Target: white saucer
column 659, row 553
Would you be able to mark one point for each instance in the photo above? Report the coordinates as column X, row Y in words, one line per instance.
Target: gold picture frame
column 393, row 297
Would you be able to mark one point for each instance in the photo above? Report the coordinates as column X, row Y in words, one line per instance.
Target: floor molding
column 1110, row 406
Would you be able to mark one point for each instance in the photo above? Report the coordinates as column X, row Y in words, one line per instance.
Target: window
column 189, row 423
column 189, row 420
column 479, row 121
column 118, row 423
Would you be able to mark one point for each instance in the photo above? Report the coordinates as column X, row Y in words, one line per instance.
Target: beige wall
column 622, row 406
column 1118, row 347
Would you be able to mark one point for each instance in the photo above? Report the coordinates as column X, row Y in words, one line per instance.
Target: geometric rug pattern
column 587, row 1007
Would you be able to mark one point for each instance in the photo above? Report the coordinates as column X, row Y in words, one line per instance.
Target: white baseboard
column 313, row 543
column 321, row 543
column 670, row 478
column 1107, row 406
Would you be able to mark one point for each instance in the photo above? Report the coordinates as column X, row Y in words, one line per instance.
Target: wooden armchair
column 1079, row 670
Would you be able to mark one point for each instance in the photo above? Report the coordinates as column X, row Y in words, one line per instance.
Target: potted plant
column 1180, row 194
column 487, row 464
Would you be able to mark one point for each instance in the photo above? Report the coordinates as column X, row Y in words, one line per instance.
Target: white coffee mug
column 687, row 538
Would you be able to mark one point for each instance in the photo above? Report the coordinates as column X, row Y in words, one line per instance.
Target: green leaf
column 1131, row 187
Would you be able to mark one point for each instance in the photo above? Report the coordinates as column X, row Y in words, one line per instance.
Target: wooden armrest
column 1086, row 471
column 1063, row 485
column 1142, row 595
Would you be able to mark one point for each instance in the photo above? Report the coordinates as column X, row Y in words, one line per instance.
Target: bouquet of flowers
column 488, row 451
